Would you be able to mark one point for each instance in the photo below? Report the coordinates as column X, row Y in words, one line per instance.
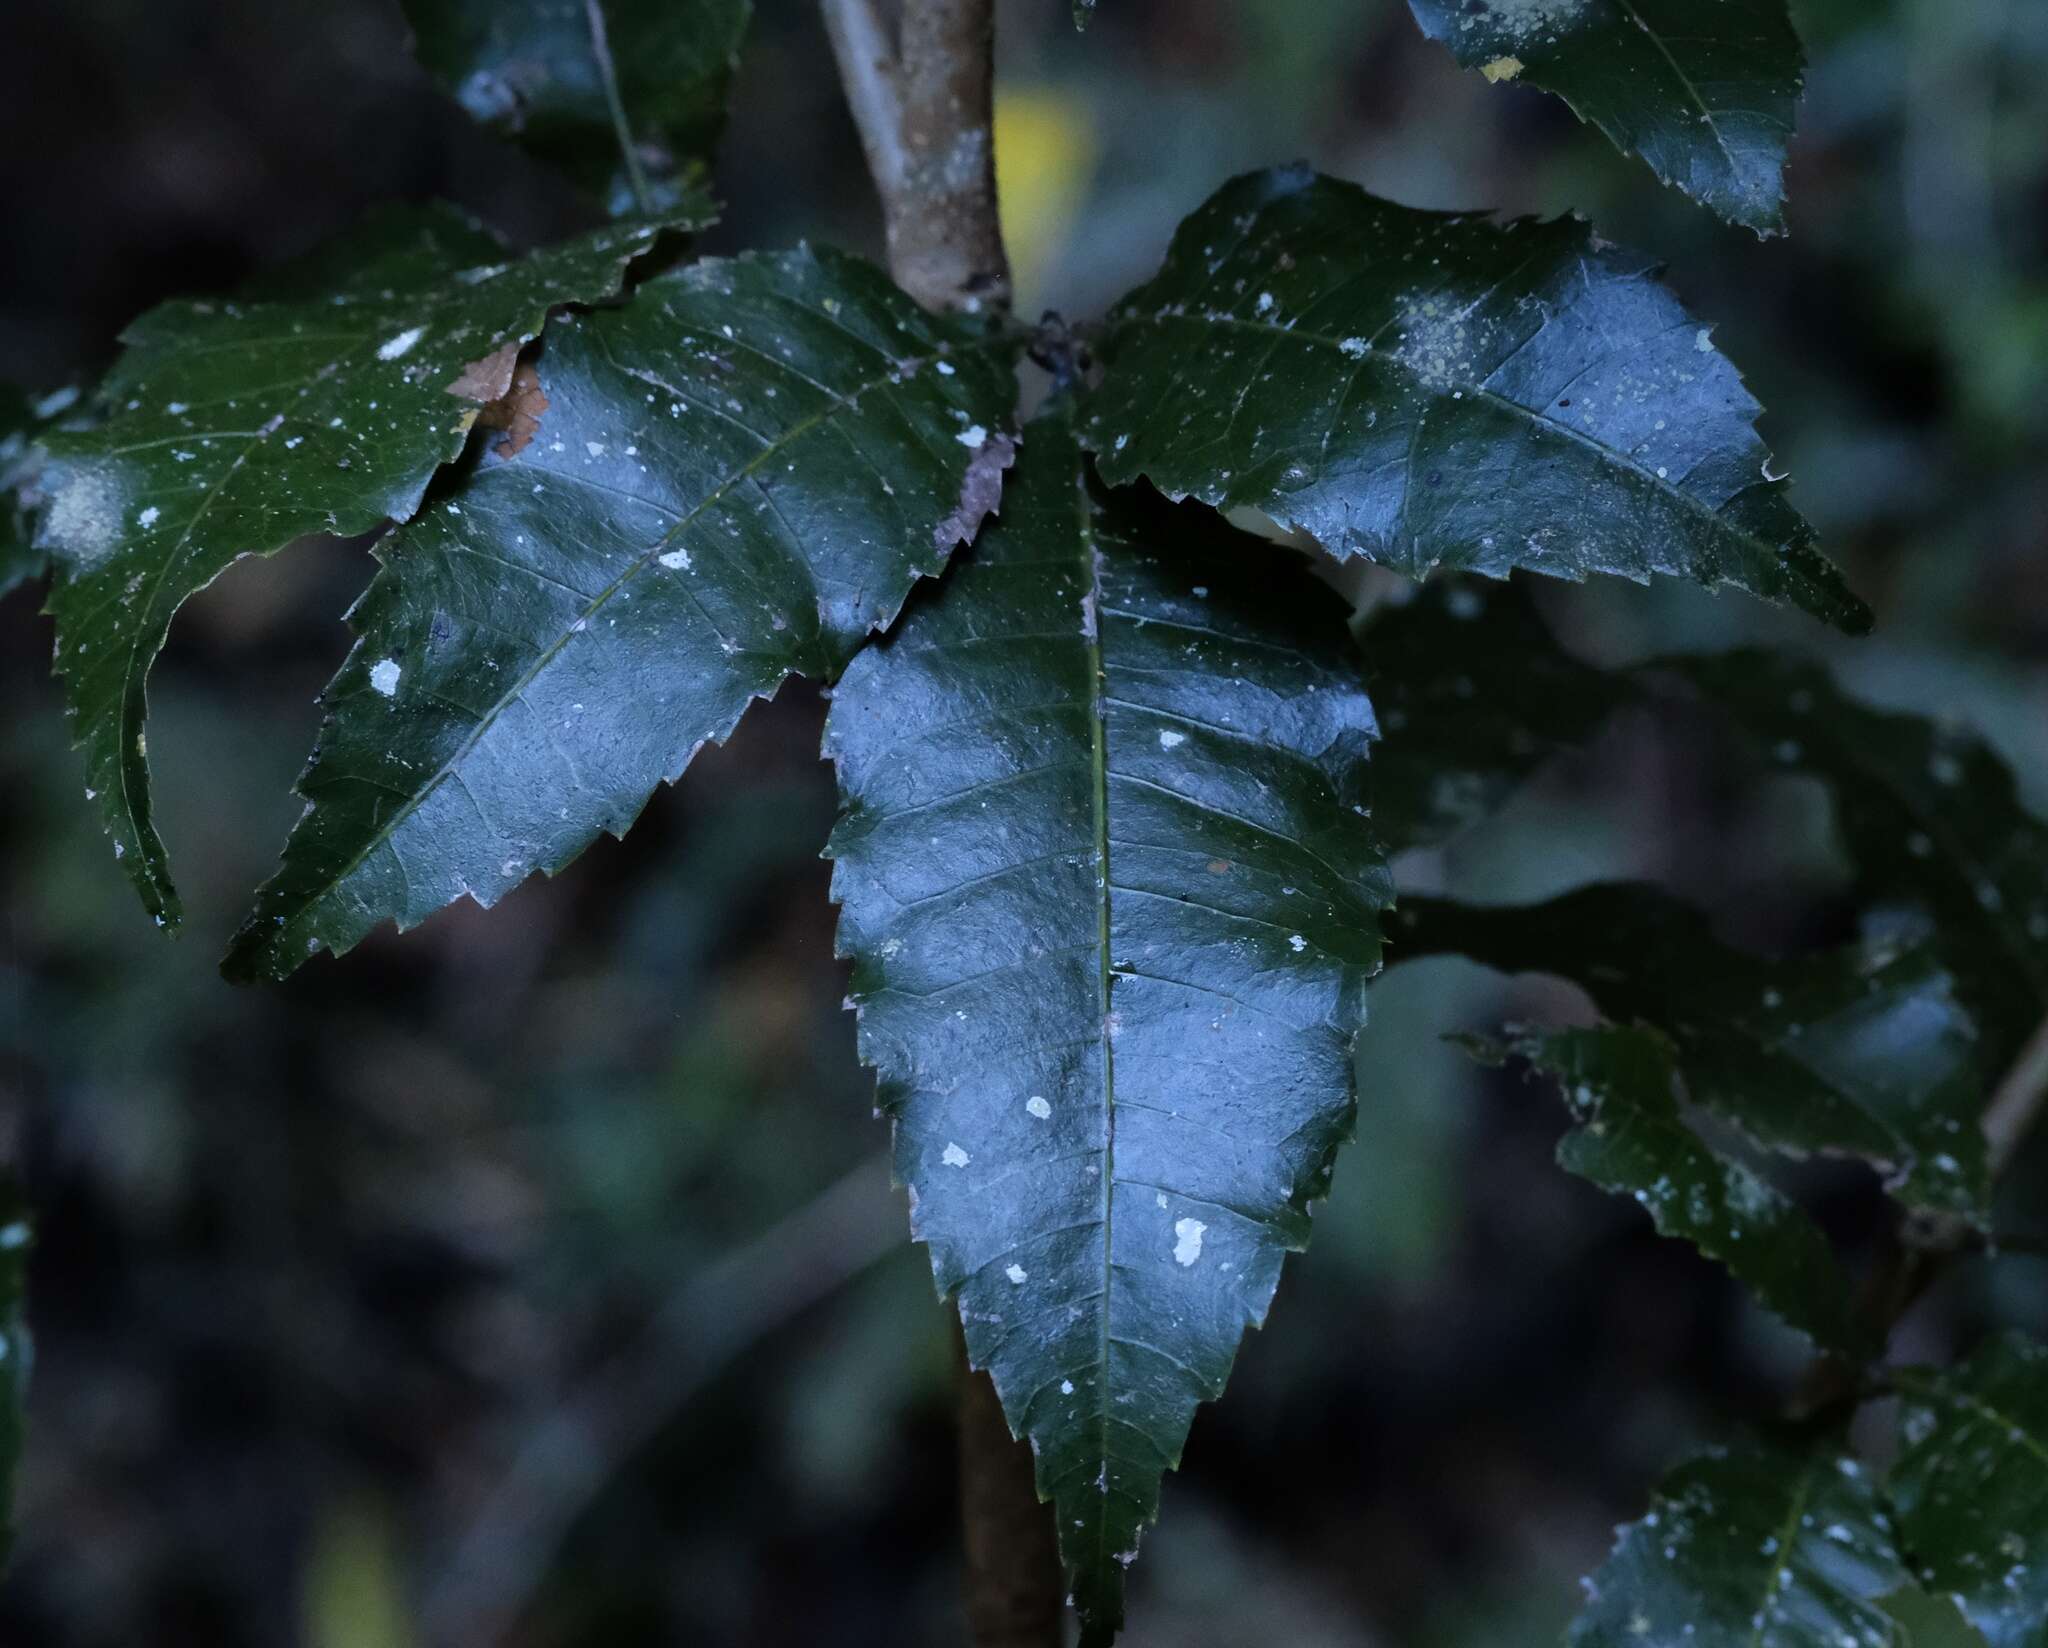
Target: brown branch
column 1013, row 1569
column 925, row 113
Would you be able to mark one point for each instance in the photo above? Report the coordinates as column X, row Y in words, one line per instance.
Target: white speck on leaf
column 1171, row 740
column 972, row 437
column 384, row 676
column 1038, row 1107
column 954, row 1156
column 1296, row 943
column 676, row 560
column 1017, row 1275
column 395, row 348
column 1187, row 1245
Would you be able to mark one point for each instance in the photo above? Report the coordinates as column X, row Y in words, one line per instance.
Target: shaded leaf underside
column 1621, row 1085
column 235, row 428
column 1110, row 905
column 1862, row 1053
column 1434, row 390
column 623, row 95
column 1705, row 93
column 738, row 476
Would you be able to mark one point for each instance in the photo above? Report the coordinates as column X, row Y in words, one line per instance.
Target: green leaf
column 626, row 96
column 1434, row 390
column 1971, row 1486
column 1705, row 94
column 1752, row 1546
column 1932, row 1621
column 1856, row 1052
column 1621, row 1085
column 236, row 428
column 1926, row 811
column 1111, row 908
column 1473, row 696
column 737, row 477
column 15, row 1349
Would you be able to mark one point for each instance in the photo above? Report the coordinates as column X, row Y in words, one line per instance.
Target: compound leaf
column 1704, row 93
column 235, row 428
column 1971, row 1486
column 1111, row 908
column 1750, row 1545
column 1857, row 1052
column 1435, row 390
column 626, row 96
column 736, row 477
column 1622, row 1087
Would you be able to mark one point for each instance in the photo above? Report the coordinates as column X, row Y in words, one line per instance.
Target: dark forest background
column 533, row 1280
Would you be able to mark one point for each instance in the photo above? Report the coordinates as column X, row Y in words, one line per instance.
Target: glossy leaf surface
column 1111, row 904
column 1751, row 1546
column 1704, row 90
column 626, row 96
column 1863, row 1053
column 736, row 477
column 235, row 428
column 1434, row 390
column 1622, row 1087
column 1971, row 1486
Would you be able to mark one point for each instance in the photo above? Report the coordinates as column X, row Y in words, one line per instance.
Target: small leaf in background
column 1856, row 1052
column 1925, row 810
column 1621, row 1085
column 1111, row 905
column 737, row 477
column 1704, row 93
column 235, row 428
column 15, row 1349
column 1971, row 1486
column 626, row 96
column 1432, row 390
column 1473, row 696
column 1751, row 1546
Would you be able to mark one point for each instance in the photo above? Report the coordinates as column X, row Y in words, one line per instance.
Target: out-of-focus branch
column 1013, row 1567
column 503, row 1555
column 2017, row 1104
column 925, row 110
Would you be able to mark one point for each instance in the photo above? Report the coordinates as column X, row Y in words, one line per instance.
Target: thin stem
column 867, row 69
column 925, row 113
column 2016, row 1106
column 608, row 71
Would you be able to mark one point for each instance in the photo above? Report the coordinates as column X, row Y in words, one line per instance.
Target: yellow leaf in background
column 353, row 1592
column 1045, row 158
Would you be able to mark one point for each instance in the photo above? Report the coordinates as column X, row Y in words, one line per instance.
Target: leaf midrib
column 1098, row 761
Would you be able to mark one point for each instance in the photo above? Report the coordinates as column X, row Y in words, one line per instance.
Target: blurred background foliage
column 533, row 1280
